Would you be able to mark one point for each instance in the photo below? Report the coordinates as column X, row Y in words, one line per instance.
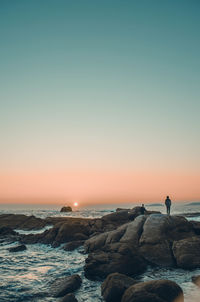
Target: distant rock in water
column 18, row 248
column 66, row 209
column 193, row 203
column 155, row 205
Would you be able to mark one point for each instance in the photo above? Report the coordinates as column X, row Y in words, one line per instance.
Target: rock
column 70, row 246
column 114, row 258
column 18, row 248
column 4, row 231
column 159, row 227
column 114, row 287
column 122, row 209
column 72, row 229
column 196, row 226
column 196, row 280
column 154, row 291
column 23, row 222
column 69, row 298
column 158, row 254
column 66, row 209
column 65, row 285
column 159, row 233
column 148, row 238
column 186, row 252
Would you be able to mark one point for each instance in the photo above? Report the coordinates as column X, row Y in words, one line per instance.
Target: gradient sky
column 99, row 100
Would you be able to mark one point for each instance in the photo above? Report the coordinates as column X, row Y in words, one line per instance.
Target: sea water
column 26, row 276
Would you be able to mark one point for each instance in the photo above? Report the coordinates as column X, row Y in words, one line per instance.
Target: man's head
column 167, row 197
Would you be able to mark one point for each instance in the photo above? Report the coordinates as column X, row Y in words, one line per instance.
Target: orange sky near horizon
column 92, row 187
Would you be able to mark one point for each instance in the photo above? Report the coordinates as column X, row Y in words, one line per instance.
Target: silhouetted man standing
column 168, row 204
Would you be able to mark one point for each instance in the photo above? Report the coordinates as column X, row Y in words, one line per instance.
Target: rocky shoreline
column 124, row 242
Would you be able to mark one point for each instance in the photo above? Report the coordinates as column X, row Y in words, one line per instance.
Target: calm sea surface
column 25, row 276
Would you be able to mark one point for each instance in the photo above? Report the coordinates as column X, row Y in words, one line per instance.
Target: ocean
column 26, row 276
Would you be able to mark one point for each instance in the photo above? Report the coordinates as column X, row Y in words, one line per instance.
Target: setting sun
column 76, row 204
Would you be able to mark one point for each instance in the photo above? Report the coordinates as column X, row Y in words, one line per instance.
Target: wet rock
column 65, row 285
column 114, row 258
column 66, row 209
column 70, row 246
column 4, row 231
column 18, row 248
column 69, row 298
column 186, row 252
column 114, row 287
column 154, row 291
column 72, row 229
column 23, row 222
column 196, row 280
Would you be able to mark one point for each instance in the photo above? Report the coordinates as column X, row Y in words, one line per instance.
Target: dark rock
column 196, row 226
column 196, row 280
column 70, row 246
column 72, row 229
column 154, row 291
column 4, row 231
column 69, row 298
column 66, row 209
column 114, row 287
column 18, row 248
column 122, row 209
column 65, row 285
column 186, row 252
column 23, row 222
column 114, row 258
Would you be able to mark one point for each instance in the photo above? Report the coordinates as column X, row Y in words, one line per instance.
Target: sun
column 76, row 204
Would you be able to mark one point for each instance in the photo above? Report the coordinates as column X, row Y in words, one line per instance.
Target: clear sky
column 99, row 100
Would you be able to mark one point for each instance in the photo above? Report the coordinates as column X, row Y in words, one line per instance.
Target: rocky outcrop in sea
column 120, row 246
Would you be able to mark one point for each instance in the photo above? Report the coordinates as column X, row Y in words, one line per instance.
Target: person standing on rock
column 142, row 209
column 168, row 204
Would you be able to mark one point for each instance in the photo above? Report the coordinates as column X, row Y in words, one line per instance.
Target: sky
column 99, row 101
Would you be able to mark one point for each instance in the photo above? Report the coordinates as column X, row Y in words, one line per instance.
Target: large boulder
column 158, row 235
column 66, row 209
column 115, row 257
column 114, row 287
column 154, row 291
column 65, row 285
column 186, row 252
column 159, row 227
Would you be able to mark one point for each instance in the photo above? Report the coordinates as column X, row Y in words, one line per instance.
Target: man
column 168, row 204
column 142, row 209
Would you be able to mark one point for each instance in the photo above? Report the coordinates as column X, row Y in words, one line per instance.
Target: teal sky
column 110, row 85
